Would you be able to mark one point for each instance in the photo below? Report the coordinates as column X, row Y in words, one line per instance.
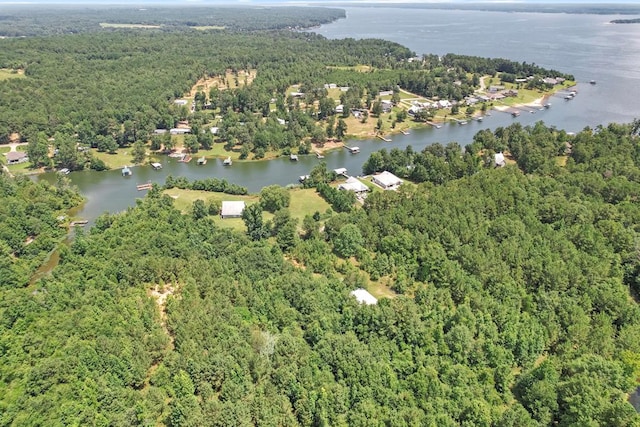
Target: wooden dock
column 383, row 138
column 353, row 150
column 404, row 132
column 79, row 223
column 142, row 187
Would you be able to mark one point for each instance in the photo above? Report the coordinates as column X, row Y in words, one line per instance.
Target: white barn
column 232, row 209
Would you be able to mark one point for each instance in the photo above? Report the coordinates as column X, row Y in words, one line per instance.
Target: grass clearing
column 5, row 149
column 303, row 202
column 306, row 201
column 116, row 25
column 7, row 73
column 122, row 157
column 209, row 27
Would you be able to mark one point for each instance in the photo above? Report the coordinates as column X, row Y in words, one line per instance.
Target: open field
column 121, row 158
column 6, row 73
column 230, row 80
column 303, row 202
column 209, row 27
column 115, row 25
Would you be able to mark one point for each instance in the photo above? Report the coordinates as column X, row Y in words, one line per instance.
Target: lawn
column 303, row 202
column 5, row 149
column 122, row 158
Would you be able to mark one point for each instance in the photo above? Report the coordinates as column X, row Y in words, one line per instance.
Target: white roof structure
column 364, row 297
column 232, row 209
column 498, row 159
column 353, row 184
column 180, row 102
column 340, row 171
column 214, row 130
column 387, row 180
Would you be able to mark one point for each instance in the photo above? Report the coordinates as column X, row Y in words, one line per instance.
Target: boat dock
column 142, row 187
column 318, row 155
column 293, row 157
column 353, row 150
column 79, row 223
column 434, row 125
column 185, row 159
column 383, row 138
column 202, row 161
column 156, row 166
column 404, row 132
column 126, row 171
column 227, row 161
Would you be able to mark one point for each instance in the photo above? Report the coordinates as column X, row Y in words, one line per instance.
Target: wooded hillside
column 515, row 308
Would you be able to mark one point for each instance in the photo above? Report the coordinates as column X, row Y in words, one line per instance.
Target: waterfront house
column 232, row 209
column 16, row 157
column 387, row 180
column 353, row 184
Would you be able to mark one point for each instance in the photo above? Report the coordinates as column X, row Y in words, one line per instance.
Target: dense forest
column 22, row 21
column 507, row 295
column 513, row 306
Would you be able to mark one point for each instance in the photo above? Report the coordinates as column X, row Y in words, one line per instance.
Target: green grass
column 20, row 168
column 306, row 201
column 303, row 202
column 122, row 158
column 6, row 74
column 115, row 25
column 5, row 149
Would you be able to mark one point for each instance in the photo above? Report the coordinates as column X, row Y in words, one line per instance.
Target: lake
column 584, row 45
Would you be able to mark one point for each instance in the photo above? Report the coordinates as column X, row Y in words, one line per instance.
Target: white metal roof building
column 387, row 180
column 232, row 209
column 353, row 184
column 364, row 297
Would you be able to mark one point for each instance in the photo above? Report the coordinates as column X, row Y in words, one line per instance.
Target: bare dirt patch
column 230, row 80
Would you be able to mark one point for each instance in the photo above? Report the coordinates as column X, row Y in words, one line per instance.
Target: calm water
column 584, row 45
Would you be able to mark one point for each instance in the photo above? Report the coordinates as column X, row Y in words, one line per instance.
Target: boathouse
column 387, row 180
column 232, row 209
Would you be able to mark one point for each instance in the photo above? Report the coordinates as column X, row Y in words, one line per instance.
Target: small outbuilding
column 387, row 180
column 364, row 297
column 499, row 160
column 16, row 157
column 232, row 209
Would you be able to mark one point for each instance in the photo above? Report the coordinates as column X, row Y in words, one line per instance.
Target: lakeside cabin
column 387, row 181
column 353, row 184
column 232, row 209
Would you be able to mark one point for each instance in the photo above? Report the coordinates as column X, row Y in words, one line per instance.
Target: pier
column 142, row 187
column 79, row 223
column 353, row 150
column 383, row 138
